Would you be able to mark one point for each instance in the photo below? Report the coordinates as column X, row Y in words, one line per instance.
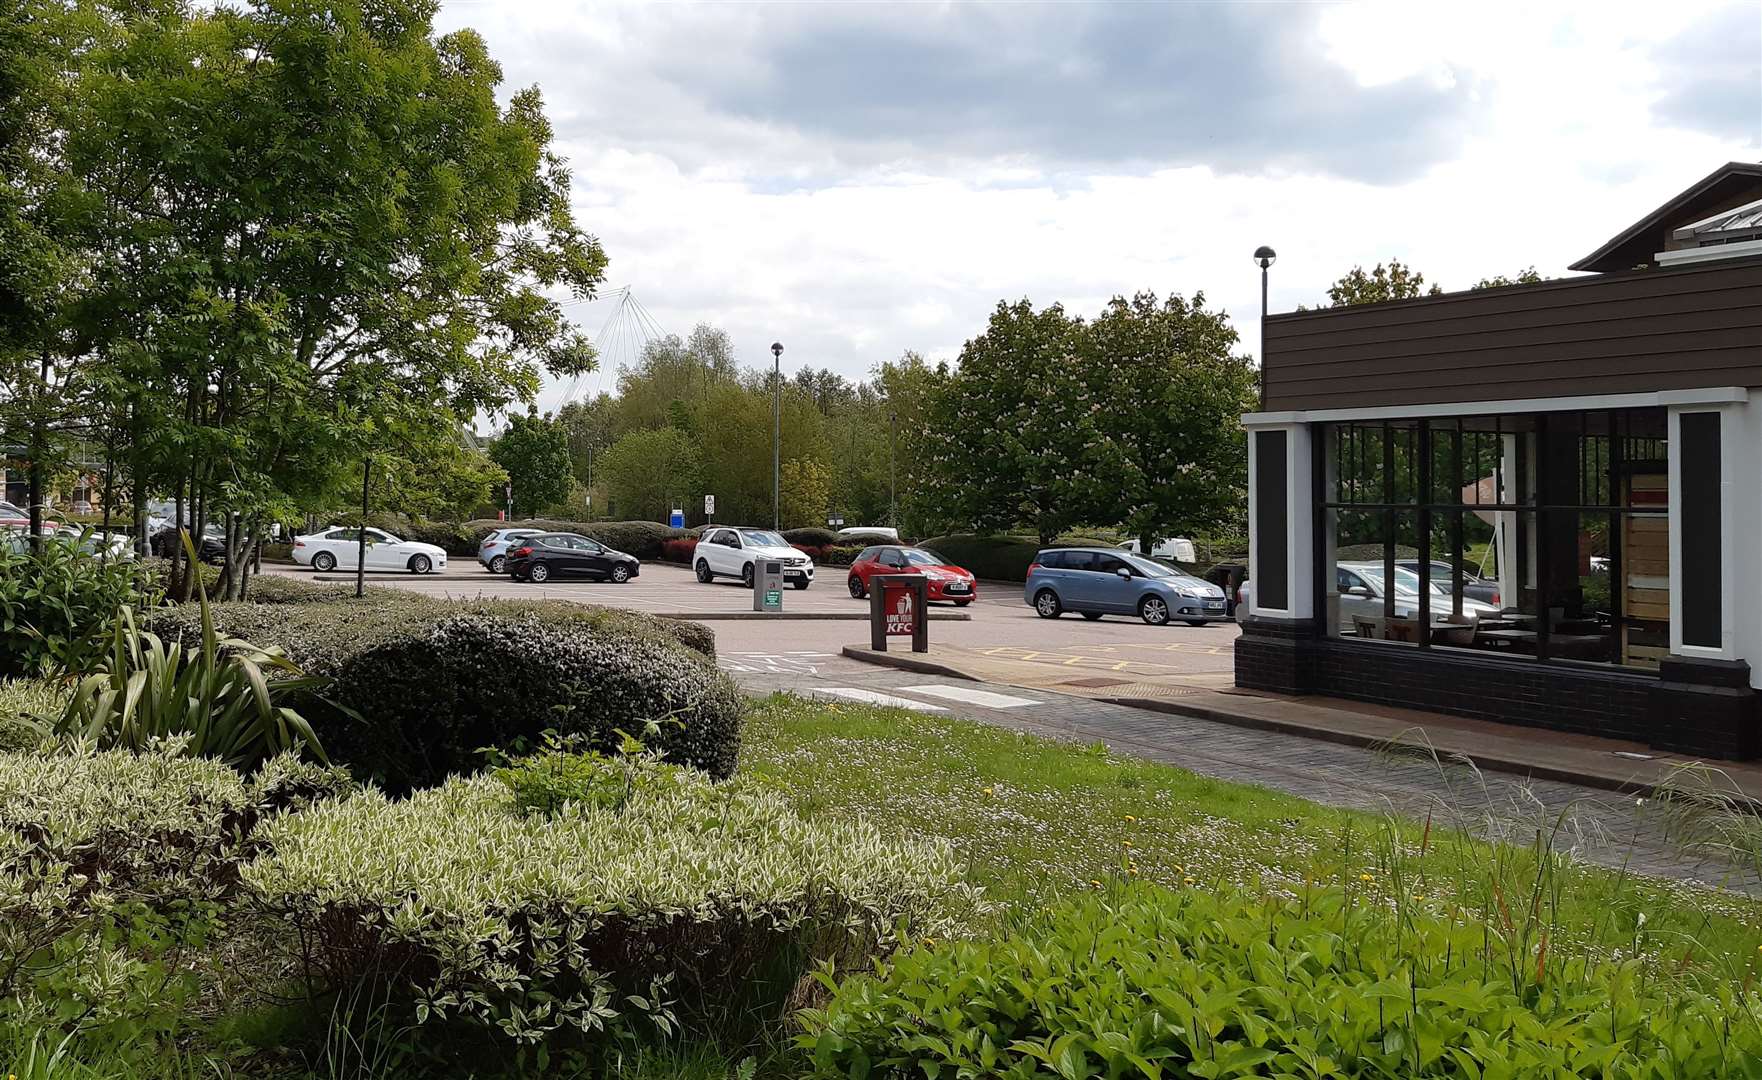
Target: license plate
column 1214, row 605
column 955, row 588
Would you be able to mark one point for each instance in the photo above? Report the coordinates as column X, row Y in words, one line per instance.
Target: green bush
column 1000, row 558
column 812, row 536
column 25, row 707
column 457, row 540
column 57, row 606
column 688, row 904
column 1146, row 982
column 282, row 589
column 415, row 687
column 840, row 554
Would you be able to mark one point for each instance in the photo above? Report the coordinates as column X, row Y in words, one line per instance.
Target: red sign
column 899, row 609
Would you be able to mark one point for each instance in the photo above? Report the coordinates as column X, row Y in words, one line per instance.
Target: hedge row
column 415, row 686
column 1000, row 558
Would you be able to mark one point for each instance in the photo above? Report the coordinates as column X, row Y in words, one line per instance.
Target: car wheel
column 746, row 575
column 538, row 572
column 324, row 562
column 703, row 572
column 1154, row 610
column 498, row 565
column 857, row 589
column 1046, row 604
column 1092, row 615
column 620, row 574
column 801, row 585
column 421, row 564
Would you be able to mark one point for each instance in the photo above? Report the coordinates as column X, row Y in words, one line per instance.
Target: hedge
column 685, row 903
column 1000, row 558
column 416, row 687
column 811, row 537
column 679, row 551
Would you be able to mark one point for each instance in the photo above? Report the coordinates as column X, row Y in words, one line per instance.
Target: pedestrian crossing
column 961, row 694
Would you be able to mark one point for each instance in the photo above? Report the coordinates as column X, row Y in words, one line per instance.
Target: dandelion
column 1418, row 896
column 1132, row 870
column 1130, row 820
column 989, row 791
column 1095, row 883
column 1188, row 880
column 1366, row 878
column 1126, row 843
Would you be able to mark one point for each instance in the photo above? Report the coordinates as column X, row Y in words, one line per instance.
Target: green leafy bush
column 25, row 706
column 689, row 903
column 57, row 606
column 1146, row 982
column 999, row 558
column 415, row 687
column 545, row 782
column 840, row 554
column 811, row 536
column 282, row 589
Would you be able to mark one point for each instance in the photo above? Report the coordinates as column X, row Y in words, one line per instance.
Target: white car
column 731, row 552
column 868, row 533
column 1174, row 549
column 337, row 547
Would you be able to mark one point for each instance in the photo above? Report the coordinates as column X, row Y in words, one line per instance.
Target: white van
column 1174, row 548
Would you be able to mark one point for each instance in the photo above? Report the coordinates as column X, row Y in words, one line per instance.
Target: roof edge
column 1656, row 217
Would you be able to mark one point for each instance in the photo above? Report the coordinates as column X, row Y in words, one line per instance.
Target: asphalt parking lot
column 999, row 619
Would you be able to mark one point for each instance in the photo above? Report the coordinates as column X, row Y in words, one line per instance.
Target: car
column 493, row 552
column 1107, row 581
column 542, row 556
column 1474, row 586
column 113, row 545
column 729, row 551
column 945, row 581
column 1363, row 589
column 1173, row 549
column 338, row 546
column 212, row 549
column 872, row 533
column 14, row 515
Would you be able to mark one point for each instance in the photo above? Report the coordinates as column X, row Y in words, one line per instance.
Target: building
column 1537, row 504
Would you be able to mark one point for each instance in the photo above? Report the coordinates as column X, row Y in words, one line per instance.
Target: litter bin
column 768, row 585
column 899, row 606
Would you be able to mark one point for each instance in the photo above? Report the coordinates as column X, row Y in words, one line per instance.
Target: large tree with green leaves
column 647, row 473
column 534, row 452
column 1396, row 281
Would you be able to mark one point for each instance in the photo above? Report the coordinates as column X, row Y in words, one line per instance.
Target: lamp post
column 776, row 432
column 1265, row 256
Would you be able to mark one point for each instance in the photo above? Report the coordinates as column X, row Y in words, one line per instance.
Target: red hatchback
column 946, row 581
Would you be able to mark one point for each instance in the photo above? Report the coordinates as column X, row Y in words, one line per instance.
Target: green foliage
column 689, row 904
column 647, row 473
column 221, row 698
column 24, row 703
column 806, row 492
column 58, row 604
column 1526, row 276
column 1144, row 981
column 1000, row 558
column 534, row 451
column 1393, row 282
column 440, row 680
column 811, row 536
column 545, row 782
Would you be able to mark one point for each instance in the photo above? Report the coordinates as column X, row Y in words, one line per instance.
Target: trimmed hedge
column 679, row 551
column 417, row 686
column 1000, row 558
column 810, row 537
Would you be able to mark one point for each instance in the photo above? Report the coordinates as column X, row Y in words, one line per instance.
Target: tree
column 806, row 492
column 647, row 473
column 1526, row 276
column 1394, row 282
column 534, row 452
column 1177, row 423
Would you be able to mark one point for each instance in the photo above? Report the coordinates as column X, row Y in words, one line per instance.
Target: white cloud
column 832, row 228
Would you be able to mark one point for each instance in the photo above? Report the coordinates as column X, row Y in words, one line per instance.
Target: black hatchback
column 552, row 555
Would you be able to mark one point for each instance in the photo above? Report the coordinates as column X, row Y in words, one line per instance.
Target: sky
column 855, row 180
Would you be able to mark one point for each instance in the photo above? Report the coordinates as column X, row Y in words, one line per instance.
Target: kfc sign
column 901, row 621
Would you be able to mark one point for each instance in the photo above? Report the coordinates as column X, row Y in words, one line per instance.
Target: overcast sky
column 860, row 179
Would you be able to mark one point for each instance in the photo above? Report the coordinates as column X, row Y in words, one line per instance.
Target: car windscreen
column 1406, row 582
column 762, row 538
column 1150, row 567
column 920, row 557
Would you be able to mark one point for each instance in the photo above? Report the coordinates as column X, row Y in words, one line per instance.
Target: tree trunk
column 109, row 494
column 254, row 544
column 178, row 572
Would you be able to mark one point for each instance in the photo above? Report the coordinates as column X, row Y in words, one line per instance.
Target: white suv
column 728, row 552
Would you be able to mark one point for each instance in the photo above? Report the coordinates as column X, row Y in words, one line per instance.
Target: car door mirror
column 1360, row 591
column 1124, row 572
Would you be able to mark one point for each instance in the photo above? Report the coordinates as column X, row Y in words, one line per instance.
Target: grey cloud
column 1712, row 74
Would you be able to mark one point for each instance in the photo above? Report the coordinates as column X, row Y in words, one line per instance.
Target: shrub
column 460, row 541
column 679, row 551
column 1142, row 981
column 282, row 589
column 812, row 536
column 999, row 558
column 57, row 606
column 414, row 687
column 25, row 704
column 840, row 554
column 687, row 903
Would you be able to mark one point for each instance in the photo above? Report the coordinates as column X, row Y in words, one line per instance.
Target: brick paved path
column 1598, row 825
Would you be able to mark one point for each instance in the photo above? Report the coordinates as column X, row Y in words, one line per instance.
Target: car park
column 338, row 548
column 726, row 551
column 492, row 554
column 1106, row 581
column 544, row 556
column 944, row 580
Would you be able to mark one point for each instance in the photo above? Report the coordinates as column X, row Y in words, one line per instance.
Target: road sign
column 709, row 505
column 676, row 518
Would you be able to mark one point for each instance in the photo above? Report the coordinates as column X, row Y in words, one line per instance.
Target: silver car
column 1363, row 610
column 493, row 552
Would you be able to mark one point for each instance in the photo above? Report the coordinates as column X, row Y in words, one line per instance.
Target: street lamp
column 1265, row 256
column 776, row 432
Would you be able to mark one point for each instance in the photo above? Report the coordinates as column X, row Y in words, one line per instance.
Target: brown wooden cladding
column 1668, row 329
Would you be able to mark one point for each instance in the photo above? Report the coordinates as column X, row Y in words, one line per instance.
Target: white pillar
column 1299, row 513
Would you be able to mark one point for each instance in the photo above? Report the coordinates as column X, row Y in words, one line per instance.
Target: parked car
column 338, row 546
column 870, row 533
column 15, row 515
column 211, row 549
column 493, row 552
column 543, row 556
column 113, row 545
column 1106, row 581
column 1362, row 591
column 1474, row 586
column 1174, row 549
column 731, row 552
column 945, row 581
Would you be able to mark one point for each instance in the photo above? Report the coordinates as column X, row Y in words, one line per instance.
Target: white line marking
column 870, row 697
column 972, row 697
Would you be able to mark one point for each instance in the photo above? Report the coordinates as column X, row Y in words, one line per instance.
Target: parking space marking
column 871, row 697
column 972, row 697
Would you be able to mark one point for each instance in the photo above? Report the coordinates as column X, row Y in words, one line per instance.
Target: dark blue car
column 1106, row 581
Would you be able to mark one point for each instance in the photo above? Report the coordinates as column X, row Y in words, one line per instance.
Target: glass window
column 1109, row 564
column 762, row 538
column 920, row 557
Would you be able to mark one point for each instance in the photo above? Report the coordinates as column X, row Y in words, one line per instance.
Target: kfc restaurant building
column 1538, row 504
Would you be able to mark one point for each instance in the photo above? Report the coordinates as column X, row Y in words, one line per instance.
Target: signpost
column 899, row 606
column 709, row 507
column 768, row 585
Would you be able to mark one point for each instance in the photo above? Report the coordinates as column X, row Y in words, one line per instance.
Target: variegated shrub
column 668, row 908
